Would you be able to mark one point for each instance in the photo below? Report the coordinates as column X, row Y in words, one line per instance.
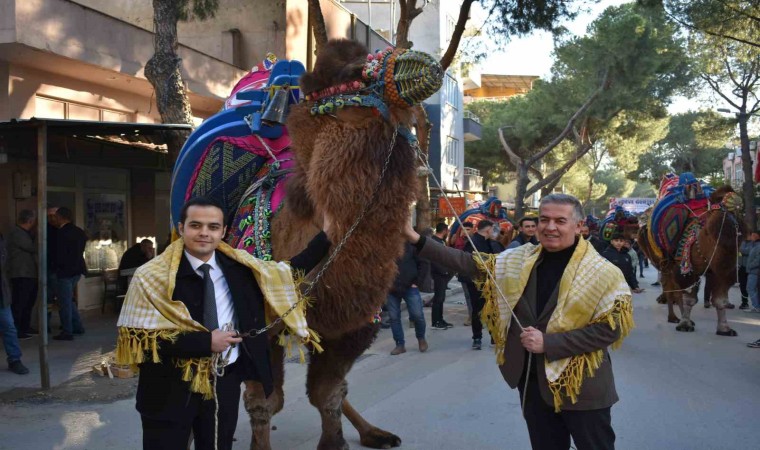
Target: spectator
column 618, row 255
column 7, row 328
column 69, row 267
column 598, row 244
column 753, row 273
column 482, row 245
column 527, row 228
column 642, row 258
column 745, row 249
column 495, row 239
column 628, row 246
column 404, row 287
column 22, row 267
column 441, row 278
column 52, row 235
column 134, row 257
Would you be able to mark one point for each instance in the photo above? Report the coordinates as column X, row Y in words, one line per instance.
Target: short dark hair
column 533, row 219
column 199, row 201
column 65, row 213
column 484, row 224
column 26, row 216
column 467, row 224
column 441, row 227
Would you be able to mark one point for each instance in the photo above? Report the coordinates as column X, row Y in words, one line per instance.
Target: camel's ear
column 298, row 199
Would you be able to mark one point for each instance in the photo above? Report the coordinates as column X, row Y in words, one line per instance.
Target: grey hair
column 26, row 216
column 564, row 199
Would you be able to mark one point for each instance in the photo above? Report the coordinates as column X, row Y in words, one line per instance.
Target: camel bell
column 277, row 108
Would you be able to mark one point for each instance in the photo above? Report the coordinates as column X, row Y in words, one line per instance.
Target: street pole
column 42, row 238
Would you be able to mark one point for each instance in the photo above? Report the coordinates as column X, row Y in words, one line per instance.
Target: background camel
column 339, row 159
column 713, row 254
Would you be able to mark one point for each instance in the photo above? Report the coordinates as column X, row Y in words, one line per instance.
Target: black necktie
column 210, row 319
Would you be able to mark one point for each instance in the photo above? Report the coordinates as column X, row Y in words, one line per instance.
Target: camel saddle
column 675, row 218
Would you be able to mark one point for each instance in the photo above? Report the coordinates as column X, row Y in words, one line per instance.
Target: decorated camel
column 491, row 210
column 694, row 232
column 346, row 152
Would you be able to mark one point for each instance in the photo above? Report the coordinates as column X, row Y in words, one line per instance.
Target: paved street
column 678, row 391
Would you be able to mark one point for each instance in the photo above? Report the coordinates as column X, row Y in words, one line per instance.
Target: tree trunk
column 317, row 23
column 451, row 51
column 748, row 188
column 520, row 189
column 408, row 10
column 163, row 71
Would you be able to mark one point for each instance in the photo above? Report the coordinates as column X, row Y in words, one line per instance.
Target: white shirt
column 225, row 310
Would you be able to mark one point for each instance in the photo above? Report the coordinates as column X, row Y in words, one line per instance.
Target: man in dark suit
column 441, row 278
column 551, row 420
column 483, row 245
column 168, row 408
column 68, row 267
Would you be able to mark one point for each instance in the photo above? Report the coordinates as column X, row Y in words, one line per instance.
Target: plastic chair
column 110, row 287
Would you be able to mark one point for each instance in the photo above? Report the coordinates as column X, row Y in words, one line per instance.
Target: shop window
column 106, row 227
column 81, row 112
column 47, row 108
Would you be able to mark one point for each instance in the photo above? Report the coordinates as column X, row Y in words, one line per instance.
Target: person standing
column 556, row 356
column 22, row 262
column 753, row 277
column 216, row 289
column 459, row 245
column 482, row 244
column 441, row 278
column 68, row 266
column 404, row 287
column 7, row 328
column 527, row 228
column 619, row 255
column 596, row 242
column 745, row 248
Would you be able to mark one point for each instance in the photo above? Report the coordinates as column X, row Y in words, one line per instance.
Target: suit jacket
column 5, row 287
column 596, row 392
column 70, row 242
column 161, row 393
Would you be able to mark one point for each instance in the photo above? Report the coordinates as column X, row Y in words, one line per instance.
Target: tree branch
column 451, row 51
column 317, row 22
column 408, row 10
column 513, row 157
column 710, row 33
column 570, row 123
column 714, row 86
column 559, row 173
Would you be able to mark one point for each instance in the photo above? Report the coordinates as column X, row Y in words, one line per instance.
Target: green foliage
column 519, row 17
column 736, row 20
column 487, row 154
column 197, row 9
column 695, row 142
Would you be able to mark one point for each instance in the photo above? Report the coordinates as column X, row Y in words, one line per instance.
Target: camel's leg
column 672, row 296
column 260, row 408
column 689, row 299
column 370, row 435
column 327, row 389
column 720, row 301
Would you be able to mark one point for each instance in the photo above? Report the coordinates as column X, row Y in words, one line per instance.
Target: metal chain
column 338, row 248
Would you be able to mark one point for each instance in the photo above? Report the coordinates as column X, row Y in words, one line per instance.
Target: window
column 49, row 108
column 451, row 152
column 451, row 91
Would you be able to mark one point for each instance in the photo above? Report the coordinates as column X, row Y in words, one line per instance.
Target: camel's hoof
column 377, row 438
column 674, row 320
column 729, row 332
column 707, row 305
column 333, row 444
column 689, row 327
column 662, row 300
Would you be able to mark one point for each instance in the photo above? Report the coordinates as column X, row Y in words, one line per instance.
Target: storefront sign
column 458, row 203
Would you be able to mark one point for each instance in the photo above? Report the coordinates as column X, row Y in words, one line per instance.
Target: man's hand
column 221, row 340
column 533, row 340
column 409, row 233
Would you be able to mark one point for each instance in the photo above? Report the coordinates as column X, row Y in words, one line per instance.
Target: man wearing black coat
column 68, row 267
column 405, row 287
column 483, row 245
column 168, row 408
column 441, row 278
column 618, row 255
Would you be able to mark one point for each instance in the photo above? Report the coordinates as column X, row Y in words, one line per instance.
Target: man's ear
column 224, row 231
column 181, row 228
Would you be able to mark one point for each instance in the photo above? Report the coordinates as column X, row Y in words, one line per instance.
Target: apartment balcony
column 473, row 182
column 473, row 131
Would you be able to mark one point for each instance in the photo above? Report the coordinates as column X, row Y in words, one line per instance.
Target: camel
column 713, row 255
column 339, row 158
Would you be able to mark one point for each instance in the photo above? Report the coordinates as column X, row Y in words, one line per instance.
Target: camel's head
column 727, row 198
column 345, row 74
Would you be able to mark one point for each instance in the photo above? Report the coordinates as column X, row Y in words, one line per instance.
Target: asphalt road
column 678, row 391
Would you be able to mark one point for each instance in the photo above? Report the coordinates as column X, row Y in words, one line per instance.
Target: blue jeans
column 10, row 336
column 414, row 306
column 752, row 280
column 70, row 320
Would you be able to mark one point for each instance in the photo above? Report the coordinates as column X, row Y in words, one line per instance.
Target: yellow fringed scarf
column 149, row 312
column 591, row 290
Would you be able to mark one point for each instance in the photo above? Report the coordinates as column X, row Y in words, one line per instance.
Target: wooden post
column 42, row 238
